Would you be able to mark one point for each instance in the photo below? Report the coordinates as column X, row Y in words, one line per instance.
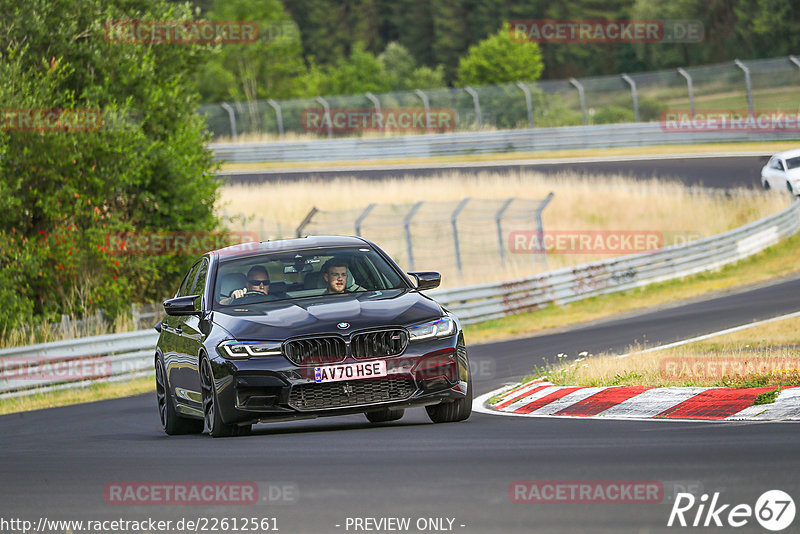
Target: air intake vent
column 378, row 344
column 315, row 351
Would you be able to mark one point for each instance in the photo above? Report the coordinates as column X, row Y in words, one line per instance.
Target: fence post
column 231, row 117
column 477, row 103
column 377, row 103
column 454, row 224
column 305, row 222
column 278, row 115
column 632, row 83
column 579, row 86
column 361, row 218
column 747, row 85
column 427, row 106
column 135, row 316
column 528, row 103
column 498, row 221
column 688, row 77
column 540, row 228
column 406, row 226
column 327, row 114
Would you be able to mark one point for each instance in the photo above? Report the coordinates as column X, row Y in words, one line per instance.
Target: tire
column 172, row 423
column 452, row 412
column 211, row 414
column 385, row 415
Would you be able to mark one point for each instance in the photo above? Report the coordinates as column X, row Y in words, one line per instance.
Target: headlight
column 241, row 350
column 438, row 328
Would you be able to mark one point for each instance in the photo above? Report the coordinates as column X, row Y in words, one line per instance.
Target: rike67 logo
column 774, row 510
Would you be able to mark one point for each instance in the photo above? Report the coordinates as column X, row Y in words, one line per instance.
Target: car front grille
column 312, row 351
column 377, row 344
column 349, row 393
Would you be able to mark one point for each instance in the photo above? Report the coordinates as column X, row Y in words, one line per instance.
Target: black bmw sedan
column 303, row 328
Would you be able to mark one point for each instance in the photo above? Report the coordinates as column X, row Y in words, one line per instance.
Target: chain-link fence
column 772, row 84
column 462, row 239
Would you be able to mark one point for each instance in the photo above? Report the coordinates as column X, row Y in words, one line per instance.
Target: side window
column 199, row 285
column 188, row 281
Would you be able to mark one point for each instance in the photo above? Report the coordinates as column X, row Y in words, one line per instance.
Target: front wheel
column 452, row 412
column 172, row 423
column 211, row 413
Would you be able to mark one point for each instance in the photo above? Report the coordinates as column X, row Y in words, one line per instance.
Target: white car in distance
column 782, row 172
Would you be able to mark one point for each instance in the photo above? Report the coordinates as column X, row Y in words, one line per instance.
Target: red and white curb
column 540, row 398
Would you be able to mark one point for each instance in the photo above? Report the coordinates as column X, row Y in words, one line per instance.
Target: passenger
column 334, row 272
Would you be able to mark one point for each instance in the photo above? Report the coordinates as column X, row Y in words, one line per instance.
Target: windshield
column 300, row 274
column 793, row 163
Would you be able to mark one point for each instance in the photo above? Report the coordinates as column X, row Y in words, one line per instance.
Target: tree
column 359, row 73
column 271, row 67
column 500, row 59
column 64, row 193
column 403, row 72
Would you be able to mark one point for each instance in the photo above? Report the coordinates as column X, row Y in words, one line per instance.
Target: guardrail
column 75, row 362
column 490, row 301
column 491, row 142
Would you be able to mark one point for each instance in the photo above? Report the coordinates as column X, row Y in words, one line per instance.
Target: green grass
column 768, row 397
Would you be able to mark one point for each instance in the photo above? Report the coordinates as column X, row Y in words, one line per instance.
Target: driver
column 257, row 282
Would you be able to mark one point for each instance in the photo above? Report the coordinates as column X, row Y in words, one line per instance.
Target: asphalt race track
column 313, row 475
column 719, row 172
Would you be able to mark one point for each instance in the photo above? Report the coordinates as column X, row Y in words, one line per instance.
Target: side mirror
column 427, row 279
column 189, row 305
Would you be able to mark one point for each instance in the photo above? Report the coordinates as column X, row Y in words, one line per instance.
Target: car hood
column 315, row 315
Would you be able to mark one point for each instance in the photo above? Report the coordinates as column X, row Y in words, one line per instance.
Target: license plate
column 350, row 371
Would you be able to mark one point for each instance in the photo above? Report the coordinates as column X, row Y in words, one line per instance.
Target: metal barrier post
column 454, row 224
column 427, row 106
column 632, row 83
column 795, row 60
column 527, row 102
column 747, row 85
column 305, row 222
column 477, row 104
column 579, row 86
column 362, row 217
column 278, row 115
column 688, row 77
column 406, row 226
column 327, row 114
column 377, row 103
column 231, row 117
column 498, row 221
column 540, row 228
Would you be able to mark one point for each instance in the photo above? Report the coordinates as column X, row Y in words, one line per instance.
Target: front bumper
column 274, row 389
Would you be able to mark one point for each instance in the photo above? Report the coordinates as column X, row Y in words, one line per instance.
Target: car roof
column 789, row 153
column 283, row 245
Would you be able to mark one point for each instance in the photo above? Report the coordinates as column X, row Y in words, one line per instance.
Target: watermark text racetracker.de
column 606, row 31
column 50, row 120
column 181, row 32
column 179, row 243
column 730, row 120
column 346, row 120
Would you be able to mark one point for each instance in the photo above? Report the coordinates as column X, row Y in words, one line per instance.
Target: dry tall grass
column 581, row 203
column 763, row 355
